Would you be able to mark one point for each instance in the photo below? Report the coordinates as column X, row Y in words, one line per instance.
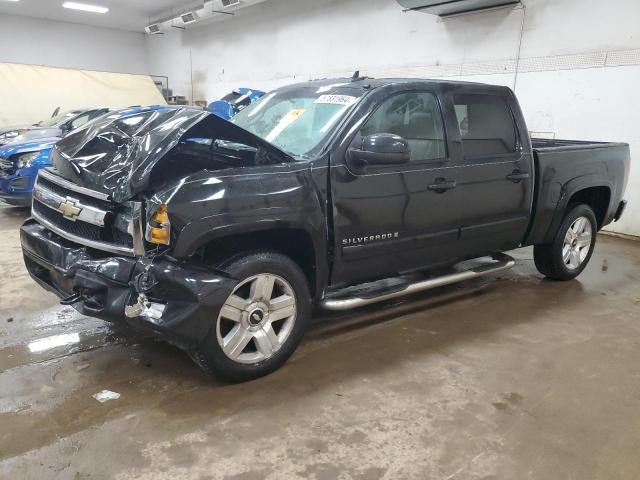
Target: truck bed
column 566, row 166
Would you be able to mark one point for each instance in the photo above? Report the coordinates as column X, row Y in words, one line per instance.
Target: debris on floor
column 106, row 395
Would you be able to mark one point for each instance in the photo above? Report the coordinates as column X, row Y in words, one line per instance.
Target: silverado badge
column 69, row 209
column 369, row 238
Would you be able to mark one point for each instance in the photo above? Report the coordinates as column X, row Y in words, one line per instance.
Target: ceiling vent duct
column 189, row 17
column 152, row 29
column 205, row 11
column 444, row 8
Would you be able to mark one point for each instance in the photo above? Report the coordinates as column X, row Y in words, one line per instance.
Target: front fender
column 201, row 232
column 210, row 206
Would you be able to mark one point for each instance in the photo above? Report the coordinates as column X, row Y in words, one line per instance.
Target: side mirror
column 381, row 149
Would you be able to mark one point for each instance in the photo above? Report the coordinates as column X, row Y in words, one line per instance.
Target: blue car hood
column 37, row 133
column 34, row 146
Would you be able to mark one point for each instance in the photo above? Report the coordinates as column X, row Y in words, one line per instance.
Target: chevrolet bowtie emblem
column 69, row 209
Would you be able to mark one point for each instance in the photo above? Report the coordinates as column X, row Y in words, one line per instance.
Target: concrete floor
column 513, row 377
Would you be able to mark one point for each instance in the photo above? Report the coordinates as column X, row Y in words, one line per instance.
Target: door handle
column 517, row 176
column 441, row 185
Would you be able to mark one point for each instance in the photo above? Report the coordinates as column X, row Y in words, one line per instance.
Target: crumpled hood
column 117, row 153
column 12, row 149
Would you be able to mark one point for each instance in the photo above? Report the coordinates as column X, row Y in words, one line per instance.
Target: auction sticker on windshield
column 336, row 99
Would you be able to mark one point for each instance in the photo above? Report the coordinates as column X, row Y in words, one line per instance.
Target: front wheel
column 571, row 250
column 261, row 322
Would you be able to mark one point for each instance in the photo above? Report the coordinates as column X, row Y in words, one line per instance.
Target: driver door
column 389, row 219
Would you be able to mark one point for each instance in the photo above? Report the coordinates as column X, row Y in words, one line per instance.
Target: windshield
column 59, row 119
column 297, row 120
column 238, row 101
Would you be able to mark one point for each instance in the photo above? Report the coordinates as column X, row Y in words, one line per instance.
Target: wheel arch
column 595, row 194
column 597, row 197
column 294, row 242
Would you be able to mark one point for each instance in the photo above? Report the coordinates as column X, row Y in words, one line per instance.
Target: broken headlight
column 158, row 227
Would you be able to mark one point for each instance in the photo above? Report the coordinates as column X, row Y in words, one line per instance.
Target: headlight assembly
column 159, row 228
column 26, row 159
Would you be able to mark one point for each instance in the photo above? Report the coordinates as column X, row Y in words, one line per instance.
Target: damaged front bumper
column 176, row 300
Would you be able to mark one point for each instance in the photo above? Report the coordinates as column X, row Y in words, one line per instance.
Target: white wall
column 36, row 41
column 576, row 77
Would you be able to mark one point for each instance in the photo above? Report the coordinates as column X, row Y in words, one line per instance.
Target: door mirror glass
column 381, row 149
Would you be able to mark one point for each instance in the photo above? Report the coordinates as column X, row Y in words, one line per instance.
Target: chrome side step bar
column 504, row 262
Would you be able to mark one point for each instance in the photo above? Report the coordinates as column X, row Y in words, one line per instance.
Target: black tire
column 549, row 258
column 210, row 355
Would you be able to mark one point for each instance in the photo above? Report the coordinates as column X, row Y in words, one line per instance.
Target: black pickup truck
column 221, row 237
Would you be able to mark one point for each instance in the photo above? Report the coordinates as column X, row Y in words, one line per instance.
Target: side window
column 80, row 121
column 415, row 117
column 486, row 125
column 97, row 113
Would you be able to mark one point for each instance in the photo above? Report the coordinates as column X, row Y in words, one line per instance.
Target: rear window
column 486, row 125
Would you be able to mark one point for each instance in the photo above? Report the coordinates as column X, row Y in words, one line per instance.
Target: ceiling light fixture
column 85, row 7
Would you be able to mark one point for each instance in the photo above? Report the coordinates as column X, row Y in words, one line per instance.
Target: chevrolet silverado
column 222, row 236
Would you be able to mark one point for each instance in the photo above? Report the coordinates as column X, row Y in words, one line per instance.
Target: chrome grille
column 85, row 216
column 47, row 184
column 77, row 229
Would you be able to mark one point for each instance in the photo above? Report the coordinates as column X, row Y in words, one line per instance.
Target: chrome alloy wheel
column 577, row 243
column 256, row 319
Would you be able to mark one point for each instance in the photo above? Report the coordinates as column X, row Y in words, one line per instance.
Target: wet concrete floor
column 512, row 377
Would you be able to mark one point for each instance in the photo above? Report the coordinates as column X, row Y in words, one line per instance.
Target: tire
column 572, row 247
column 246, row 341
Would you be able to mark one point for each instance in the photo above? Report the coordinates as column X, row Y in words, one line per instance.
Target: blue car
column 21, row 161
column 232, row 103
column 56, row 126
column 19, row 165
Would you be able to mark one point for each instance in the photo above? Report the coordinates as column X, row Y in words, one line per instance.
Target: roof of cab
column 368, row 83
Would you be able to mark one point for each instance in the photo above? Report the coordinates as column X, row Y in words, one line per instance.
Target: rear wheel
column 262, row 321
column 571, row 250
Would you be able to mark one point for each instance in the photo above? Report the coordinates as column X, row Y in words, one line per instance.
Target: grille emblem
column 69, row 209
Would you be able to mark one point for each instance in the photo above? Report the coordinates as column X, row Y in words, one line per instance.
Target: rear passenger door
column 494, row 176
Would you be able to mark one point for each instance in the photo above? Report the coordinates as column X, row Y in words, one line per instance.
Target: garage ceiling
column 131, row 15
